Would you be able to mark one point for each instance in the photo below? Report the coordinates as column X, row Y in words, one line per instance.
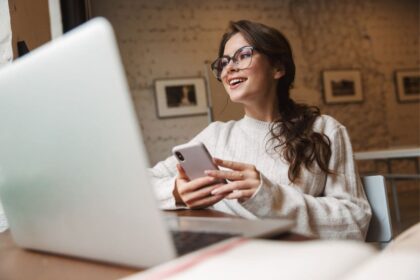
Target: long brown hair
column 293, row 130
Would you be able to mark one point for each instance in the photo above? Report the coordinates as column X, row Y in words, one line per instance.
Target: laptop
column 73, row 165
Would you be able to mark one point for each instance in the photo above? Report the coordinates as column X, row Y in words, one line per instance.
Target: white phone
column 194, row 159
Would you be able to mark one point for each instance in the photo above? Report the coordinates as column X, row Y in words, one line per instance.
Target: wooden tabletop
column 18, row 263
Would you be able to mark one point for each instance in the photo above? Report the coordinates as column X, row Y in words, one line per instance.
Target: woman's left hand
column 243, row 179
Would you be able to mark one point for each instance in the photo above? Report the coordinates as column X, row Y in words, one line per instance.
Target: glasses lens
column 243, row 57
column 218, row 65
column 215, row 69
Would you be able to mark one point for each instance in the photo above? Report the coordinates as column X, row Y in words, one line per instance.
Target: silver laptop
column 73, row 166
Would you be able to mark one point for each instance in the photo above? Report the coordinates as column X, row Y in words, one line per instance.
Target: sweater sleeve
column 163, row 176
column 342, row 211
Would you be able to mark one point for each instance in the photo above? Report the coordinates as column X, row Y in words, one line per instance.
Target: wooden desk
column 17, row 263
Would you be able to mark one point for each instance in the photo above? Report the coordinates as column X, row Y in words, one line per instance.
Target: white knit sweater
column 325, row 206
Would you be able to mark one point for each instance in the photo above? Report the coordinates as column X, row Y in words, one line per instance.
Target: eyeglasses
column 242, row 59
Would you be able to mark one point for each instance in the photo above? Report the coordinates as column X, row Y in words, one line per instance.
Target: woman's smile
column 236, row 82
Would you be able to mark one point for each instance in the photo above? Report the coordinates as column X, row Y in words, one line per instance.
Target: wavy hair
column 297, row 142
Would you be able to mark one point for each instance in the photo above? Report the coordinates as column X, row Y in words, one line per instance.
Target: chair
column 380, row 228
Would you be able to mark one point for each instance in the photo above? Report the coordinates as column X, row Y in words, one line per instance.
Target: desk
column 388, row 154
column 17, row 263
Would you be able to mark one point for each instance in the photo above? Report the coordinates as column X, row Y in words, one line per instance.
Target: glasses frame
column 218, row 73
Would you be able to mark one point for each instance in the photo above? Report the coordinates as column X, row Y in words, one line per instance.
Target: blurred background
column 175, row 39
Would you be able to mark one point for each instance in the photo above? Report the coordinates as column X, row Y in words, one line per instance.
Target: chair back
column 380, row 228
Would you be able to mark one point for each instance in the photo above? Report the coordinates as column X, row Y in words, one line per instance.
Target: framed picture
column 408, row 85
column 342, row 86
column 180, row 97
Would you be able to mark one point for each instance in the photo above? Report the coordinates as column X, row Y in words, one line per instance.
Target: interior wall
column 30, row 21
column 169, row 39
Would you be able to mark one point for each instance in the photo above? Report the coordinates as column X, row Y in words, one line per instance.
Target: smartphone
column 194, row 159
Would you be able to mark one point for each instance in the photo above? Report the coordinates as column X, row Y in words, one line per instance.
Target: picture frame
column 407, row 83
column 180, row 97
column 342, row 86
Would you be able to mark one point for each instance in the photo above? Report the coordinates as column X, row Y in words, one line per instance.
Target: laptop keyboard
column 188, row 241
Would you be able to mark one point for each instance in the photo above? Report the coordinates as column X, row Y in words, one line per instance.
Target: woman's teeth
column 236, row 81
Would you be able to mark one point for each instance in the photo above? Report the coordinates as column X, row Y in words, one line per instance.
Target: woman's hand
column 244, row 179
column 196, row 194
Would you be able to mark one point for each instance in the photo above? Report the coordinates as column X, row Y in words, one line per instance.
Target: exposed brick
column 165, row 39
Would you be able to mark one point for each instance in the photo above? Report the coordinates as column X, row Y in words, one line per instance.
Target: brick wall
column 167, row 39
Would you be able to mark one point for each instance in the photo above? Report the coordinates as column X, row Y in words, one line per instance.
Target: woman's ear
column 278, row 72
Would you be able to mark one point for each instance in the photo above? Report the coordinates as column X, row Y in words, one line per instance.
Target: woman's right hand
column 196, row 194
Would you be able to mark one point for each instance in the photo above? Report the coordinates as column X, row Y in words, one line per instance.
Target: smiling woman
column 282, row 159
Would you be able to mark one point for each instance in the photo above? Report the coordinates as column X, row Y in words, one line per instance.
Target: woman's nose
column 231, row 67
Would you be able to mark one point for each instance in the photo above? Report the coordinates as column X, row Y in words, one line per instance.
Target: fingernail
column 207, row 172
column 213, row 192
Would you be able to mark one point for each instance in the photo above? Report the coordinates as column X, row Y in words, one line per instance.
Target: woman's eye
column 223, row 63
column 244, row 55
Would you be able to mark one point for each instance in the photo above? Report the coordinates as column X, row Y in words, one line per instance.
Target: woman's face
column 253, row 85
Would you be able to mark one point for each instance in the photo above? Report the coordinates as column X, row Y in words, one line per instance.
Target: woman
column 282, row 159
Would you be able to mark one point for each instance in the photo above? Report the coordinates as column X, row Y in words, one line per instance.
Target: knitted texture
column 332, row 206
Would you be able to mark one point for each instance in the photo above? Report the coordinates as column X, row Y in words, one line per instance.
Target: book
column 264, row 259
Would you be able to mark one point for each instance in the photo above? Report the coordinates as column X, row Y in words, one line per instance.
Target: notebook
column 73, row 165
